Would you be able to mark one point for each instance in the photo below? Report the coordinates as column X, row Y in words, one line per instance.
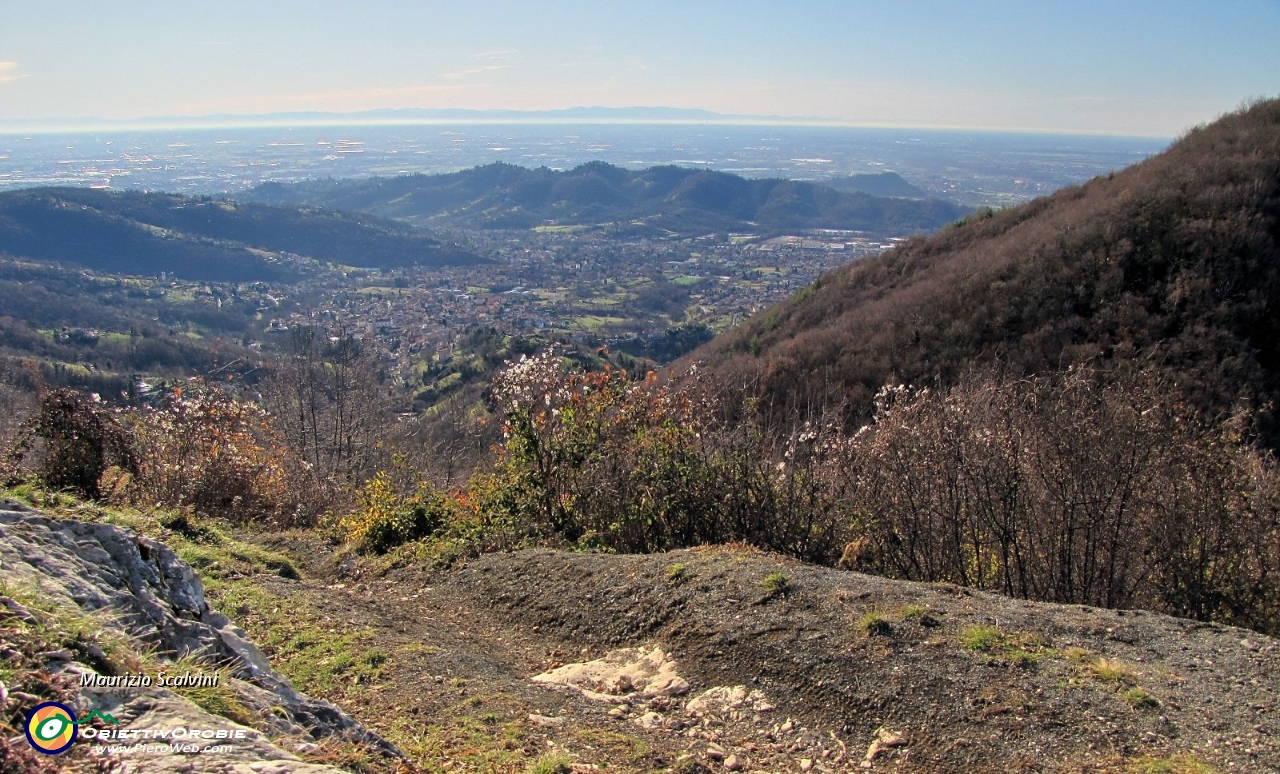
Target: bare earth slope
column 831, row 663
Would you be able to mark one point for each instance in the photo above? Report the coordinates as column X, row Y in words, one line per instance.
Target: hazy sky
column 1149, row 67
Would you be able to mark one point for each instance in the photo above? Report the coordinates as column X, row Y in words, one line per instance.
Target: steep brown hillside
column 1173, row 262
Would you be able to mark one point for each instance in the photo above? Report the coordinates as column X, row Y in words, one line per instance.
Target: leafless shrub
column 1068, row 489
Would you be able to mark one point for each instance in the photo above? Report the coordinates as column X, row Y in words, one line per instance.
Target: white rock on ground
column 624, row 675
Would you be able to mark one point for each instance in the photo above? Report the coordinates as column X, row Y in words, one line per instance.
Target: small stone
column 872, row 751
column 676, row 686
column 715, row 752
column 617, row 712
column 786, row 727
column 545, row 721
column 732, row 763
column 56, row 655
column 890, row 738
column 649, row 720
column 806, row 764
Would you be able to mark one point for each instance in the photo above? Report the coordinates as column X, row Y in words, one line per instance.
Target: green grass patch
column 981, row 639
column 218, row 699
column 1108, row 670
column 550, row 764
column 677, row 573
column 1183, row 763
column 203, row 543
column 776, row 584
column 615, row 744
column 920, row 614
column 1139, row 698
column 593, row 322
column 238, row 560
column 466, row 740
column 1017, row 648
column 874, row 625
column 1120, row 676
column 316, row 657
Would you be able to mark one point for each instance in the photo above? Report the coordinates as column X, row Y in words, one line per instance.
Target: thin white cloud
column 505, row 53
column 599, row 64
column 470, row 71
column 8, row 72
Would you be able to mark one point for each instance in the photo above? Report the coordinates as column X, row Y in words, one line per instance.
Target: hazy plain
column 973, row 168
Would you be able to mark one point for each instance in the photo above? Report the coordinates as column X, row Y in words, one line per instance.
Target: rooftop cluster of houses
column 566, row 284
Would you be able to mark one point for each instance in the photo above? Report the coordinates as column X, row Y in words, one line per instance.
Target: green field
column 594, row 323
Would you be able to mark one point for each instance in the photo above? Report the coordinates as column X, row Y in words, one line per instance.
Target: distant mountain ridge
column 1173, row 263
column 664, row 200
column 201, row 238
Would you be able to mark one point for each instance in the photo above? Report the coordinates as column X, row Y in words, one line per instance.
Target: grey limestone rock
column 141, row 587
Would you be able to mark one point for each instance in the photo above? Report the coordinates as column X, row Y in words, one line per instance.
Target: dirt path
column 455, row 682
column 837, row 671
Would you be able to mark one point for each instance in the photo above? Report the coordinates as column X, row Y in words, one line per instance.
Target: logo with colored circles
column 51, row 727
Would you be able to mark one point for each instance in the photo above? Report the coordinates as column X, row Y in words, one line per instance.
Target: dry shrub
column 384, row 519
column 1069, row 489
column 70, row 443
column 201, row 448
column 601, row 460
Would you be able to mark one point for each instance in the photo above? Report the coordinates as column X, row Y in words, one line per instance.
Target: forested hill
column 878, row 184
column 655, row 201
column 202, row 238
column 1174, row 262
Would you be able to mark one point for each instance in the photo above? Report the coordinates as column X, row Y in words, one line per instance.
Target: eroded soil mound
column 772, row 665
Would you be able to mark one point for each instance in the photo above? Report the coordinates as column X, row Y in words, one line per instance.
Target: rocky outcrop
column 140, row 588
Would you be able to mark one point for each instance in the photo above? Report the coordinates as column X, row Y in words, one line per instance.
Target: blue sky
column 1121, row 67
